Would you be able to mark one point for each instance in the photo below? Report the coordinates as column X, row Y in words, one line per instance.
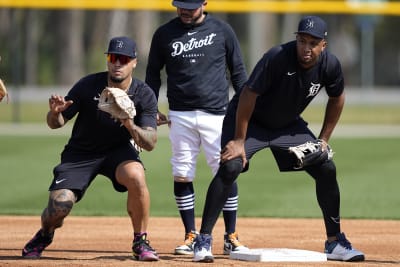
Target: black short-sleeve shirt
column 285, row 89
column 94, row 131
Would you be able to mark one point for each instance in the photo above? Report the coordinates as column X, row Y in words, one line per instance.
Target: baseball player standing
column 267, row 114
column 196, row 50
column 101, row 145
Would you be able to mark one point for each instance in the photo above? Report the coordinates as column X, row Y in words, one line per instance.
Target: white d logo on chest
column 314, row 89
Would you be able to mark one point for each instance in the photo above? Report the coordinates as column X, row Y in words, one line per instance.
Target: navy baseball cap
column 314, row 26
column 122, row 46
column 188, row 4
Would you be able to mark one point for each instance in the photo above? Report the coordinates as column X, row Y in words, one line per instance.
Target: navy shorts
column 77, row 171
column 278, row 140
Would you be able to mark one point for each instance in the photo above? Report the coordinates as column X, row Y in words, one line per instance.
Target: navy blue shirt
column 94, row 131
column 285, row 89
column 196, row 61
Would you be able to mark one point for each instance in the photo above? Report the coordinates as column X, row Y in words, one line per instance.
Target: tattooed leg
column 59, row 206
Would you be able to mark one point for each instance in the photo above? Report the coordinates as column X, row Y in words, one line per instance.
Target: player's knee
column 329, row 168
column 325, row 171
column 61, row 202
column 230, row 170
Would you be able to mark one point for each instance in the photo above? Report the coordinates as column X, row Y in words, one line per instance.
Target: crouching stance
column 267, row 115
column 100, row 144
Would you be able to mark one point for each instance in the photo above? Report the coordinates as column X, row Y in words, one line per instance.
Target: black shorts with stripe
column 278, row 140
column 77, row 171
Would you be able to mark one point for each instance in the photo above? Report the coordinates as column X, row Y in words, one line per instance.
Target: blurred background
column 48, row 45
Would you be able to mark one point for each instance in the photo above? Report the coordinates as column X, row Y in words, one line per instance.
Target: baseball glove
column 311, row 153
column 117, row 103
column 3, row 91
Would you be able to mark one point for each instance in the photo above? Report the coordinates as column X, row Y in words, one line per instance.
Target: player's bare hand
column 58, row 104
column 162, row 119
column 234, row 149
column 324, row 144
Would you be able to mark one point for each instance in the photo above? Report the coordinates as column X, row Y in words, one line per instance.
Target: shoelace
column 204, row 242
column 144, row 245
column 235, row 241
column 342, row 240
column 233, row 238
column 190, row 238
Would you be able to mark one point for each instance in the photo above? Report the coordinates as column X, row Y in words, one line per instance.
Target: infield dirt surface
column 106, row 241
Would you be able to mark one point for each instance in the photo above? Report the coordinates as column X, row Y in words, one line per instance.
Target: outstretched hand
column 57, row 104
column 234, row 149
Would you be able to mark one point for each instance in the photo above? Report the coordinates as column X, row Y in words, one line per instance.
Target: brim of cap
column 312, row 34
column 185, row 5
column 119, row 53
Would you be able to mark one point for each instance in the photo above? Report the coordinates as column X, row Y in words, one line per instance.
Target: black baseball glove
column 311, row 153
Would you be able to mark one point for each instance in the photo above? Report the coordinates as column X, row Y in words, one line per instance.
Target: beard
column 192, row 22
column 116, row 80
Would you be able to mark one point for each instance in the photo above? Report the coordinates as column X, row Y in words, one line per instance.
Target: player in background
column 101, row 145
column 267, row 113
column 200, row 54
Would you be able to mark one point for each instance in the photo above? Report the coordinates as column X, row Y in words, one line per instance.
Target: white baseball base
column 278, row 254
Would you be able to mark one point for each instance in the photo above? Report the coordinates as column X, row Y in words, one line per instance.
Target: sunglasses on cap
column 112, row 58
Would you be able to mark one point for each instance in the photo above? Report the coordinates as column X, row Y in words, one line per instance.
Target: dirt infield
column 106, row 241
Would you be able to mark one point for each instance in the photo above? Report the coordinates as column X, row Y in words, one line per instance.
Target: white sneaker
column 202, row 249
column 232, row 243
column 341, row 250
column 187, row 247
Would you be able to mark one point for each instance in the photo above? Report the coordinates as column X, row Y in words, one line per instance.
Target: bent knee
column 232, row 167
column 325, row 171
column 230, row 170
column 61, row 201
column 328, row 167
column 63, row 195
column 130, row 173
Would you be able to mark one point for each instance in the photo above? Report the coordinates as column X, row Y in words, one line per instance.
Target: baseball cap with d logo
column 122, row 46
column 314, row 26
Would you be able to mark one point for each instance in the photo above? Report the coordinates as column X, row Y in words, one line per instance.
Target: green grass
column 367, row 173
column 352, row 114
column 358, row 114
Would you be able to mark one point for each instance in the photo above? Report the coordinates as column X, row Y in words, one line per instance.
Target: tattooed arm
column 145, row 137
